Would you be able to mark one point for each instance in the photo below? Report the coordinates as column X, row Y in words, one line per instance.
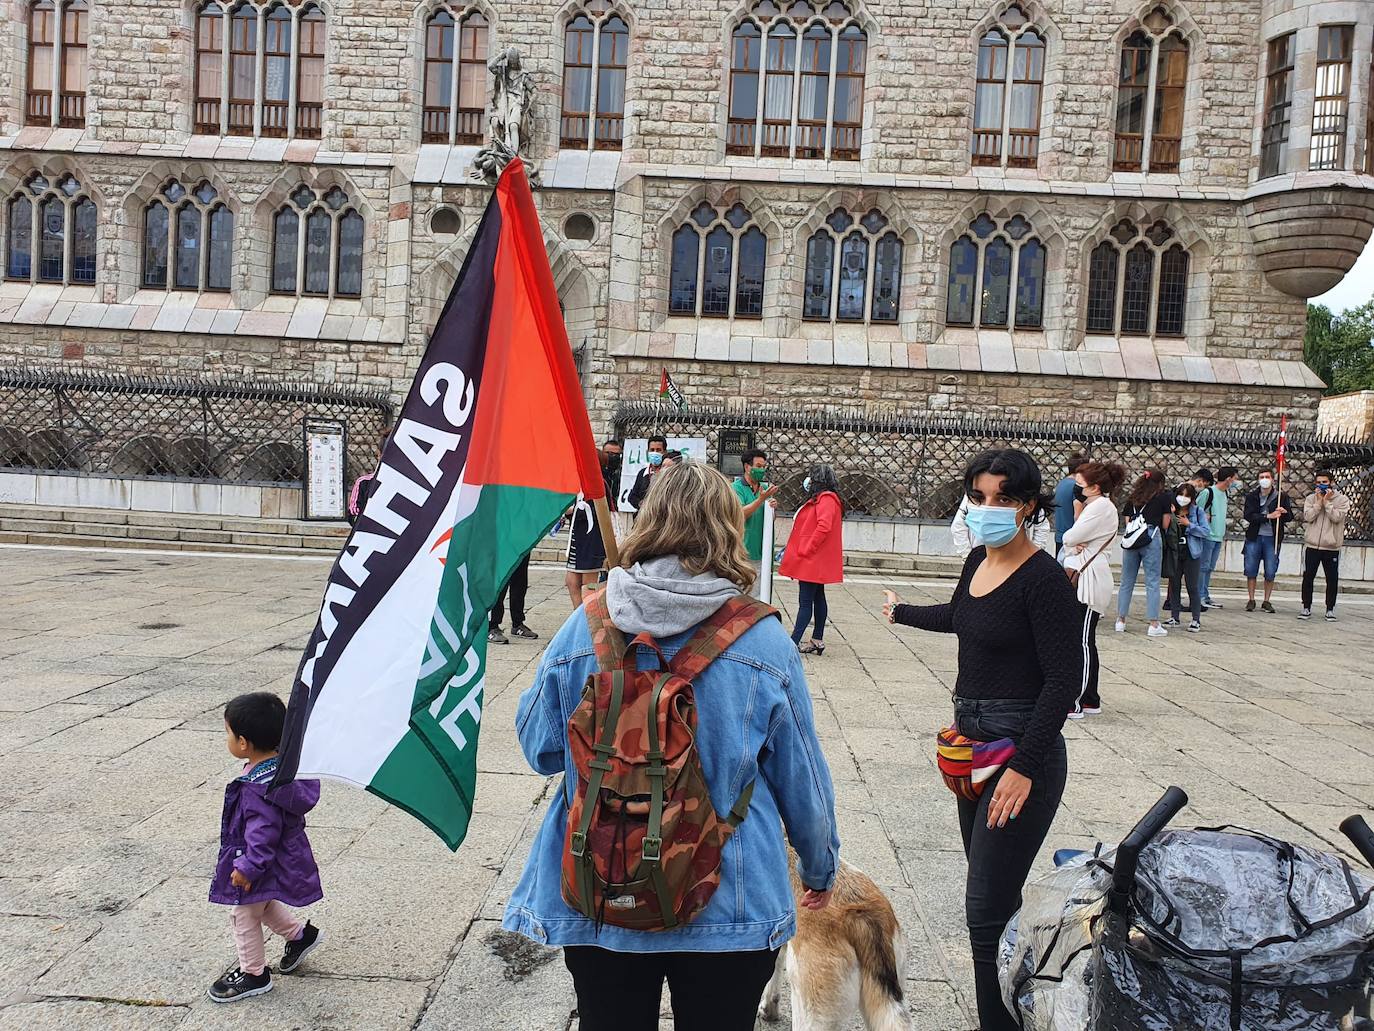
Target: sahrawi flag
column 491, row 446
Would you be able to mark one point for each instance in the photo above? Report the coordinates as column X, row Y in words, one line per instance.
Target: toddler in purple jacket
column 265, row 863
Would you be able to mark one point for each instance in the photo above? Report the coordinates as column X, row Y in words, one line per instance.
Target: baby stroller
column 1195, row 930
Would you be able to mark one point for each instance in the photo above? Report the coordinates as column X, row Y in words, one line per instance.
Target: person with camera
column 1323, row 514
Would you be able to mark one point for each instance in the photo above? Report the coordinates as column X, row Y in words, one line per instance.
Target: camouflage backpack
column 643, row 844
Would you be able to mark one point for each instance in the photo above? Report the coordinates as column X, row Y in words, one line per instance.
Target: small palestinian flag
column 491, row 446
column 668, row 391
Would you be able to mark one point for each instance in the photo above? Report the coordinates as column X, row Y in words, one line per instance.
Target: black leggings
column 1330, row 563
column 518, row 585
column 1186, row 572
column 1000, row 859
column 1088, row 697
column 711, row 991
column 810, row 598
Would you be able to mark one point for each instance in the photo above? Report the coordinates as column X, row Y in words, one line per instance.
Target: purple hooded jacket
column 262, row 835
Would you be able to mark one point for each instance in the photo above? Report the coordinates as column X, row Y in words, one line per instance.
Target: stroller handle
column 1128, row 852
column 1354, row 828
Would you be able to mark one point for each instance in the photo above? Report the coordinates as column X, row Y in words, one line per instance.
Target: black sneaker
column 1250, row 605
column 1331, row 615
column 520, row 630
column 1305, row 614
column 1268, row 606
column 236, row 985
column 494, row 636
column 303, row 946
column 1213, row 604
column 1170, row 622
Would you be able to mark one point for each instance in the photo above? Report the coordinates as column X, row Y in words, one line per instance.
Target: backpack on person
column 643, row 843
column 1207, row 505
column 1138, row 533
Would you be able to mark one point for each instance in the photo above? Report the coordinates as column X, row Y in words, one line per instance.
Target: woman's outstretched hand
column 1007, row 798
column 890, row 603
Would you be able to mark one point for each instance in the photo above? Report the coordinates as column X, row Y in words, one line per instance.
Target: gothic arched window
column 188, row 239
column 455, row 87
column 784, row 99
column 717, row 265
column 596, row 47
column 1006, row 103
column 317, row 245
column 232, row 43
column 50, row 232
column 1151, row 85
column 1138, row 281
column 57, row 63
column 994, row 262
column 865, row 284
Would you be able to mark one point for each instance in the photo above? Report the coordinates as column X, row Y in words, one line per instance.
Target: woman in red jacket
column 815, row 553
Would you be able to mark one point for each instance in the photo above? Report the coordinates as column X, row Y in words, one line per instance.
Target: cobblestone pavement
column 114, row 667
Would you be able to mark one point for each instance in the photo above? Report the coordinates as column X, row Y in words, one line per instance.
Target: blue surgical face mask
column 655, row 458
column 806, row 485
column 992, row 525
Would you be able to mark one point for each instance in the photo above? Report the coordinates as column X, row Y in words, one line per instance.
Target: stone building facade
column 1035, row 231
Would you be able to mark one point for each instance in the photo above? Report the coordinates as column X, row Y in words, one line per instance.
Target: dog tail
column 882, row 959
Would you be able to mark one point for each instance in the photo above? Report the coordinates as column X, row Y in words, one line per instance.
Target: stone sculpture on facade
column 508, row 126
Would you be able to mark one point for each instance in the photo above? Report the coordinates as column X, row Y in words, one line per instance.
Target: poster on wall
column 325, row 451
column 637, row 457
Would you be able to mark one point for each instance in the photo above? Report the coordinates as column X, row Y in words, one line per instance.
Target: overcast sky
column 1357, row 286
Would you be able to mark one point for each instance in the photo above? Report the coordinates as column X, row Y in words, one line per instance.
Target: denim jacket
column 1199, row 531
column 753, row 721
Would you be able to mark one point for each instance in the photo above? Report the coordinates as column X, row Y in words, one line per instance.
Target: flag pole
column 603, row 523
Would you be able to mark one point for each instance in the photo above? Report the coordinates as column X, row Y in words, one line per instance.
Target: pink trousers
column 247, row 922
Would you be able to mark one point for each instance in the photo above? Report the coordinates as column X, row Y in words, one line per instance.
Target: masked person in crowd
column 1323, row 514
column 1148, row 512
column 1186, row 542
column 586, row 548
column 658, row 449
column 1021, row 667
column 753, row 492
column 1267, row 512
column 1039, row 529
column 1213, row 498
column 1085, row 560
column 815, row 554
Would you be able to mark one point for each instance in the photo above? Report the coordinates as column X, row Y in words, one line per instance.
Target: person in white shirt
column 1085, row 547
column 1040, row 530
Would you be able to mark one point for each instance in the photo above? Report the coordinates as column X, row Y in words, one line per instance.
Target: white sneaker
column 1077, row 714
column 1092, row 710
column 1195, row 627
column 1156, row 631
column 1331, row 615
column 1120, row 626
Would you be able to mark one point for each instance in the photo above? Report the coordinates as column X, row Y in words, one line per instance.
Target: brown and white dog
column 847, row 958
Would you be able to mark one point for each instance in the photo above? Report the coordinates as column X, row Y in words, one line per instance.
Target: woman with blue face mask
column 1021, row 660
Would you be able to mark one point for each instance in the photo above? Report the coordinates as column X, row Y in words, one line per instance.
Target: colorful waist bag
column 968, row 765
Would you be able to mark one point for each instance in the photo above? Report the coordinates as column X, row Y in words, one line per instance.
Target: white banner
column 636, row 457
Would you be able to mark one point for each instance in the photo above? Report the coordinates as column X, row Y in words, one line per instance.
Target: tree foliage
column 1340, row 348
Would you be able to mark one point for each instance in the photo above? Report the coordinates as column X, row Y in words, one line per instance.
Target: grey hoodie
column 661, row 598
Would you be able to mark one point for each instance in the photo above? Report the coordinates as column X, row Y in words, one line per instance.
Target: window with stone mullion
column 55, row 81
column 996, row 277
column 259, row 69
column 317, row 246
column 187, row 241
column 1331, row 101
column 717, row 265
column 864, row 285
column 50, row 233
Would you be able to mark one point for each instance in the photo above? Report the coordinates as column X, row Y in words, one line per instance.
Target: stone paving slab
column 114, row 669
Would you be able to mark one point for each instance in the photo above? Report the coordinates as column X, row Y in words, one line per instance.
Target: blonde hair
column 692, row 512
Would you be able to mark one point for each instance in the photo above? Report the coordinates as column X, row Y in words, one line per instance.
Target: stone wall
column 1347, row 415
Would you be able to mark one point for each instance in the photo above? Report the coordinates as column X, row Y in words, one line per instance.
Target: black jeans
column 711, row 991
column 1000, row 859
column 810, row 598
column 1330, row 562
column 1187, row 571
column 518, row 585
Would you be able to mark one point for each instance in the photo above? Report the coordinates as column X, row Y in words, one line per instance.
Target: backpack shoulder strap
column 607, row 639
column 715, row 635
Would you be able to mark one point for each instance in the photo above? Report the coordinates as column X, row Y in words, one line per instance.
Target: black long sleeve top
column 1026, row 639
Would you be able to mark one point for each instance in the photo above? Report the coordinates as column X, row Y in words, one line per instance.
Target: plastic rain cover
column 1227, row 929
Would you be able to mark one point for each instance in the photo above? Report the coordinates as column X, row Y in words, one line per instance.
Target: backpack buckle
column 578, row 848
column 652, row 848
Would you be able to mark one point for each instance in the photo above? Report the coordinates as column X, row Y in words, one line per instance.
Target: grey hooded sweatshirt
column 659, row 597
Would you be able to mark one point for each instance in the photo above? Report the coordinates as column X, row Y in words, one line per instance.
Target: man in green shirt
column 753, row 493
column 1212, row 497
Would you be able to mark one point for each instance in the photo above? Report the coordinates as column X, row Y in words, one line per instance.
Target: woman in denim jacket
column 682, row 561
column 1190, row 535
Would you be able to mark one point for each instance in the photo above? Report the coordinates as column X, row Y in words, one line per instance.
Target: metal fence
column 114, row 425
column 911, row 467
